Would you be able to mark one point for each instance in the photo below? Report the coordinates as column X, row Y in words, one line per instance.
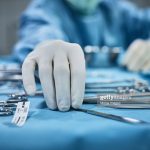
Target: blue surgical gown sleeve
column 36, row 26
column 125, row 21
column 135, row 22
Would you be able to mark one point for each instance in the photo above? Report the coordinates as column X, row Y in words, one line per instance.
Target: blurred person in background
column 64, row 27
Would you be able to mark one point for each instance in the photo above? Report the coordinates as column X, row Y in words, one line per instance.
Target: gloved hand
column 137, row 57
column 61, row 67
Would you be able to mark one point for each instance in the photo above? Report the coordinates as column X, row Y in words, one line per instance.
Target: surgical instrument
column 116, row 83
column 113, row 117
column 11, row 71
column 121, row 98
column 7, row 106
column 120, row 86
column 23, row 94
column 6, row 111
column 101, row 56
column 134, row 81
column 12, row 78
column 13, row 101
column 86, row 98
column 128, row 106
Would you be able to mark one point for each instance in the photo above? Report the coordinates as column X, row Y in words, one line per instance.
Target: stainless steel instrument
column 113, row 117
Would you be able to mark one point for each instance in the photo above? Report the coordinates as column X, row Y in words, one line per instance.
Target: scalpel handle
column 113, row 117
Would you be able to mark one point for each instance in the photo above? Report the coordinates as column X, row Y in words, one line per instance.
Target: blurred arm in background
column 137, row 57
column 37, row 25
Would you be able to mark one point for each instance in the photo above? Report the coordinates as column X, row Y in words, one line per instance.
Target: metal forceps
column 7, row 106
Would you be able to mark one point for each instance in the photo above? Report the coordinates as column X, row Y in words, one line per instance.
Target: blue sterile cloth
column 74, row 130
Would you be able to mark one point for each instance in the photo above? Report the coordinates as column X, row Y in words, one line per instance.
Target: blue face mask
column 84, row 6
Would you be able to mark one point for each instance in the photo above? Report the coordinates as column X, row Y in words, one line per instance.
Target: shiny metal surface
column 113, row 117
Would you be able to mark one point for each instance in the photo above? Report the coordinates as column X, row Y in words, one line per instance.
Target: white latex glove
column 61, row 67
column 137, row 57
